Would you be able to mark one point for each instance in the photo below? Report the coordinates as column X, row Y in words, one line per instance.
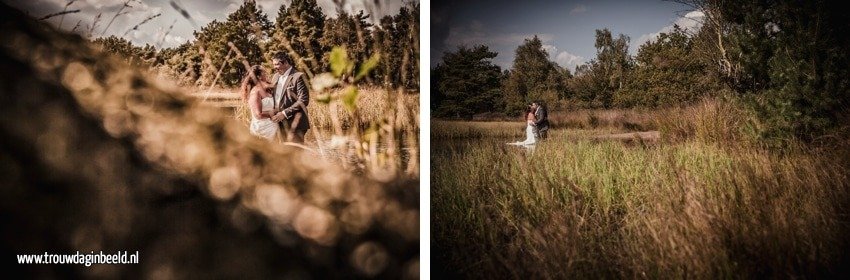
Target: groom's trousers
column 296, row 136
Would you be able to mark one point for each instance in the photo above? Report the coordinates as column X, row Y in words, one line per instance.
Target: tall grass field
column 701, row 202
column 393, row 115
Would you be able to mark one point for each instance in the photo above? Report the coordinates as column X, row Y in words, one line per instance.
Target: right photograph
column 640, row 139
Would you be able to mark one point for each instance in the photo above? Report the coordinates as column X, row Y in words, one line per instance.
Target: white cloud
column 232, row 7
column 563, row 58
column 578, row 9
column 568, row 60
column 690, row 22
column 201, row 17
column 476, row 33
column 152, row 32
column 155, row 38
column 120, row 26
column 106, row 3
column 379, row 8
column 174, row 40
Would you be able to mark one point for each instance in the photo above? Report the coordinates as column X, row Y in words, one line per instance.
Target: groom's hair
column 540, row 103
column 282, row 56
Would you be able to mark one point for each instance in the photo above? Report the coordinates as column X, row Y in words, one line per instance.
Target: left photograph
column 165, row 139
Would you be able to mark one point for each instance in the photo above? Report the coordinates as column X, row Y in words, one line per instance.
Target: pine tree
column 248, row 29
column 389, row 48
column 124, row 49
column 298, row 31
column 407, row 25
column 184, row 61
column 468, row 82
column 792, row 59
column 397, row 39
column 352, row 32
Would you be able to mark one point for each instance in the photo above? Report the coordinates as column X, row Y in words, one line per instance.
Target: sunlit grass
column 698, row 204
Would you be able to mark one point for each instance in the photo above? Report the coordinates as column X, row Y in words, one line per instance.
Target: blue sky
column 156, row 31
column 567, row 28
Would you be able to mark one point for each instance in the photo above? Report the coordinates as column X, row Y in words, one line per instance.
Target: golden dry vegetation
column 703, row 201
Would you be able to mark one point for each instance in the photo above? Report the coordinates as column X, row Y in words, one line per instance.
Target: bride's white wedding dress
column 265, row 128
column 529, row 137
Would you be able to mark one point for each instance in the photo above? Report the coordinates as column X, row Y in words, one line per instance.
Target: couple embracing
column 278, row 106
column 537, row 124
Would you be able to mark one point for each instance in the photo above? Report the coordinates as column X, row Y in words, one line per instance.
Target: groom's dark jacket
column 294, row 101
column 541, row 119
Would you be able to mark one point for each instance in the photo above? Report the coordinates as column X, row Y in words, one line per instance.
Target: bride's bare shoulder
column 258, row 91
column 262, row 90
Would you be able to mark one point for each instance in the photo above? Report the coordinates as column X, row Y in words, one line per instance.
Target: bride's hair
column 251, row 79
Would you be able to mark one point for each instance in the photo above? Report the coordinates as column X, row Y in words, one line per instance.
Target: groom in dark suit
column 541, row 120
column 291, row 98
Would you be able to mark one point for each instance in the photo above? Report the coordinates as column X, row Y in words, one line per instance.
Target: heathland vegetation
column 99, row 155
column 363, row 72
column 748, row 179
column 301, row 29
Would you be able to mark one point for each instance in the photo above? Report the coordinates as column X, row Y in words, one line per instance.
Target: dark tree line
column 785, row 60
column 789, row 59
column 664, row 72
column 463, row 72
column 300, row 29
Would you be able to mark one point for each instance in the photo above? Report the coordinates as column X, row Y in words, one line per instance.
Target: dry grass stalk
column 62, row 13
column 120, row 12
column 62, row 19
column 94, row 25
column 218, row 73
column 146, row 20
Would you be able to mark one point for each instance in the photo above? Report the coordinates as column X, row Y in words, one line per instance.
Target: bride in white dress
column 530, row 138
column 261, row 103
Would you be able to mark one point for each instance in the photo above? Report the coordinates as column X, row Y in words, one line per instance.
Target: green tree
column 611, row 66
column 467, row 82
column 533, row 76
column 116, row 45
column 298, row 31
column 437, row 96
column 135, row 55
column 667, row 73
column 792, row 62
column 351, row 31
column 397, row 39
column 596, row 82
column 184, row 62
column 247, row 28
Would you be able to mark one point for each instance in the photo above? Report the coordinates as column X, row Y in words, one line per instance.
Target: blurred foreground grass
column 97, row 155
